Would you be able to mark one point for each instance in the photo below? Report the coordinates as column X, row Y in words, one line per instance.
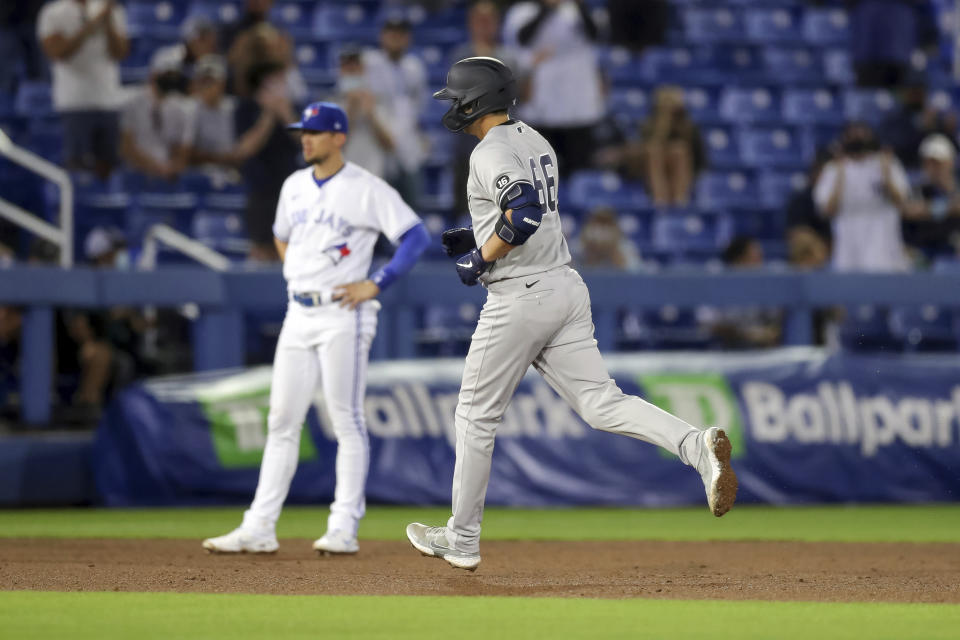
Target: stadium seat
column 792, row 66
column 778, row 147
column 631, row 104
column 590, row 189
column 623, row 68
column 315, row 62
column 731, row 65
column 713, row 25
column 762, row 224
column 926, row 328
column 676, row 63
column 223, row 232
column 441, row 146
column 867, row 328
column 437, row 188
column 776, row 187
column 158, row 19
column 664, row 328
column 294, row 17
column 723, row 152
column 217, row 11
column 826, row 27
column 436, row 58
column 347, row 21
column 869, row 105
column 33, row 99
column 725, row 190
column 703, row 104
column 812, row 106
column 838, row 67
column 690, row 233
column 772, row 25
column 750, row 105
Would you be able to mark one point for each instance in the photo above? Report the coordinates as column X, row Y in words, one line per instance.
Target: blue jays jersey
column 330, row 230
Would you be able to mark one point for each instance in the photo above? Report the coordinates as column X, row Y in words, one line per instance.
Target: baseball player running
column 537, row 312
column 329, row 216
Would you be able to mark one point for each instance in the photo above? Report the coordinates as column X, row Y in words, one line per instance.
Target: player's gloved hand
column 457, row 242
column 470, row 267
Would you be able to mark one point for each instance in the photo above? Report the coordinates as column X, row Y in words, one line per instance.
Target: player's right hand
column 457, row 242
column 471, row 266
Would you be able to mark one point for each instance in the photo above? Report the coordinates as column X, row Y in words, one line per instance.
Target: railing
column 61, row 235
column 163, row 234
column 222, row 297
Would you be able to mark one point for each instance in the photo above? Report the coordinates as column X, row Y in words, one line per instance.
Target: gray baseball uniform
column 537, row 312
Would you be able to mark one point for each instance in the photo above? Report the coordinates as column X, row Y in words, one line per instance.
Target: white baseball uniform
column 537, row 312
column 330, row 231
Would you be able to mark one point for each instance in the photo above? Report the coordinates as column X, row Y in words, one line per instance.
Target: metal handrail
column 164, row 234
column 60, row 235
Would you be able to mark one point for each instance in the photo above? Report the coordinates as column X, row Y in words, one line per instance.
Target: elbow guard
column 522, row 198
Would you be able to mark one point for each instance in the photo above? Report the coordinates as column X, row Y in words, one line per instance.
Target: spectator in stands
column 808, row 233
column 566, row 100
column 863, row 191
column 268, row 152
column 740, row 327
column 915, row 119
column 370, row 142
column 401, row 80
column 932, row 220
column 11, row 321
column 884, row 35
column 483, row 27
column 603, row 245
column 200, row 39
column 157, row 124
column 671, row 150
column 85, row 40
column 253, row 41
column 215, row 139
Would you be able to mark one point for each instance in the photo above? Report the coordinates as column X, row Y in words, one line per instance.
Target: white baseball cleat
column 242, row 540
column 432, row 542
column 719, row 479
column 336, row 541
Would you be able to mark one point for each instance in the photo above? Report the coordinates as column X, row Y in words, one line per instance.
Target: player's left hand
column 470, row 267
column 350, row 295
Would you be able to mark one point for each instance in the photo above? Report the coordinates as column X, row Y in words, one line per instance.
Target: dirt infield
column 894, row 572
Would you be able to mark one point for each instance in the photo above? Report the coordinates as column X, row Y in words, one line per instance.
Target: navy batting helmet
column 477, row 86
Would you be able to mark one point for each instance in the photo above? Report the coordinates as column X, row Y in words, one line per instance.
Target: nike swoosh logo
column 467, row 265
column 532, row 283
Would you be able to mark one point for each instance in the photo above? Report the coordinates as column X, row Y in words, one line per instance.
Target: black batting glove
column 457, row 242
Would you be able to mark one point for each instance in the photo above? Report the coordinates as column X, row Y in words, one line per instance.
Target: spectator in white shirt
column 213, row 144
column 566, row 98
column 370, row 142
column 157, row 125
column 863, row 190
column 84, row 40
column 400, row 79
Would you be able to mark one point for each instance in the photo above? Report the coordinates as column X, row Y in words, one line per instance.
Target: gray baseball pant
column 548, row 325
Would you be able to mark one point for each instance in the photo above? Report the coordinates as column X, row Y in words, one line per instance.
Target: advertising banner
column 806, row 427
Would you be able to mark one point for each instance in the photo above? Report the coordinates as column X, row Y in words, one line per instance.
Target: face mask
column 121, row 261
column 347, row 84
column 169, row 82
column 856, row 146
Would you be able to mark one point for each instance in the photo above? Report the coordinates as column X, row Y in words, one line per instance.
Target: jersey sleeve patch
column 503, row 181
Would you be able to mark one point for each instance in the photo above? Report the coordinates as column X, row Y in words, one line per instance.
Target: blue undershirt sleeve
column 412, row 244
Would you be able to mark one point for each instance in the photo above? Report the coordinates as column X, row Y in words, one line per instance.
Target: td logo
column 702, row 399
column 238, row 428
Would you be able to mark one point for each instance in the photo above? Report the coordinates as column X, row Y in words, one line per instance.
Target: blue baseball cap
column 322, row 116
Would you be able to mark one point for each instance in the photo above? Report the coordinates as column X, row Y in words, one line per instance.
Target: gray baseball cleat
column 719, row 479
column 241, row 540
column 432, row 542
column 336, row 542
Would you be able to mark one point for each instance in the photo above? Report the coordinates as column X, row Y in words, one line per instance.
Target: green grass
column 28, row 615
column 940, row 523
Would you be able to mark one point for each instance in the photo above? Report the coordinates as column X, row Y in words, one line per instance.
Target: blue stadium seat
column 762, row 224
column 714, row 25
column 726, row 190
column 687, row 233
column 732, row 65
column 436, row 58
column 723, row 152
column 665, row 328
column 159, row 19
column 223, row 232
column 776, row 187
column 623, row 68
column 676, row 63
column 441, row 146
column 703, row 104
column 826, row 27
column 773, row 25
column 437, row 26
column 792, row 66
column 293, row 16
column 637, row 225
column 750, row 105
column 224, row 197
column 432, row 114
column 633, row 104
column 812, row 106
column 33, row 99
column 316, row 62
column 347, row 21
column 778, row 147
column 867, row 328
column 869, row 105
column 437, row 188
column 217, row 11
column 838, row 67
column 926, row 328
column 590, row 189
